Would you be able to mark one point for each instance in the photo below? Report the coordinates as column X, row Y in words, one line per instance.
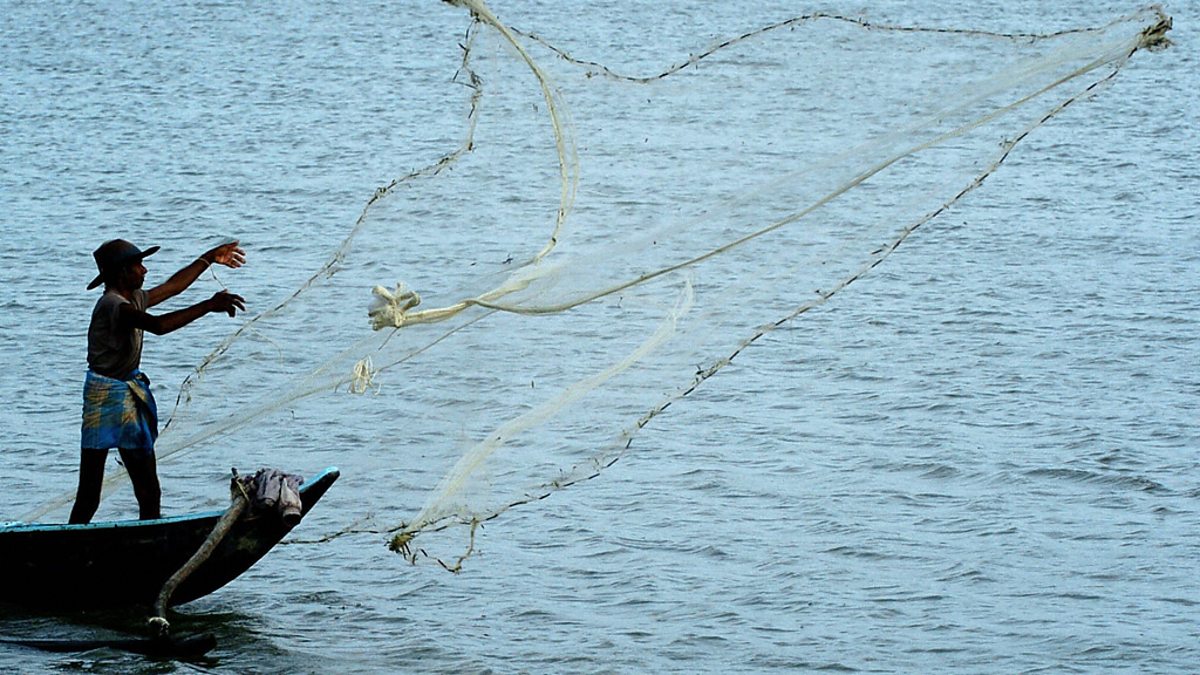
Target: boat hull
column 126, row 563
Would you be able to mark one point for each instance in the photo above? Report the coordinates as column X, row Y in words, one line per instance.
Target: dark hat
column 115, row 254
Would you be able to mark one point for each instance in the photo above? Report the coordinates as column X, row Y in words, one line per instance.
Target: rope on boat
column 241, row 500
column 268, row 490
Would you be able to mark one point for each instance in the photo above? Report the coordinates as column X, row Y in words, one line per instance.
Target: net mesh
column 656, row 217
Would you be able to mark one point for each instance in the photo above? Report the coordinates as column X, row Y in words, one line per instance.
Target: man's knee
column 143, row 473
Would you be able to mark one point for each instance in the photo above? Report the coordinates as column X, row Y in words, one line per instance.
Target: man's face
column 133, row 276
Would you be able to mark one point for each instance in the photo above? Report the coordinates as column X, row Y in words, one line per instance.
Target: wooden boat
column 126, row 563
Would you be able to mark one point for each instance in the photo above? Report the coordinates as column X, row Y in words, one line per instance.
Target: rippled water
column 983, row 457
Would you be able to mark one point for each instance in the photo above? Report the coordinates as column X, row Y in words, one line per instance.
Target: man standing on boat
column 118, row 408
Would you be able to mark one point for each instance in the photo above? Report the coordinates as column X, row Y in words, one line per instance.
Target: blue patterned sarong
column 119, row 413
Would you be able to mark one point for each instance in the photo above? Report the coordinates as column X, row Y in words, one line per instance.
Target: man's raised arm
column 229, row 255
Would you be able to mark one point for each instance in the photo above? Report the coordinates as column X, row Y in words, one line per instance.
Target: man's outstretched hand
column 229, row 255
column 224, row 301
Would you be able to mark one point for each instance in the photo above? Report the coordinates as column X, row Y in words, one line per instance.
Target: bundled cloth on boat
column 271, row 490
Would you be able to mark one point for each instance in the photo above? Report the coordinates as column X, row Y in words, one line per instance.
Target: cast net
column 648, row 216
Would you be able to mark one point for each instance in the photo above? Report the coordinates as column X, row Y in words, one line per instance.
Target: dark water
column 982, row 458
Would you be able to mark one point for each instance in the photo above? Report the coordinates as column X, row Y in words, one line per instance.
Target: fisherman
column 118, row 408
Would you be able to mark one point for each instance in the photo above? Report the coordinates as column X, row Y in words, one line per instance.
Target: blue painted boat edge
column 330, row 473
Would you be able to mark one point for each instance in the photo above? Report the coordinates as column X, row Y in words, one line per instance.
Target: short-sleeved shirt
column 113, row 350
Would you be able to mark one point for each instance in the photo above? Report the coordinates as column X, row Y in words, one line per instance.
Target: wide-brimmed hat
column 115, row 254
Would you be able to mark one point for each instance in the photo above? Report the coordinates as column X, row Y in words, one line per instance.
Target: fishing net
column 648, row 217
